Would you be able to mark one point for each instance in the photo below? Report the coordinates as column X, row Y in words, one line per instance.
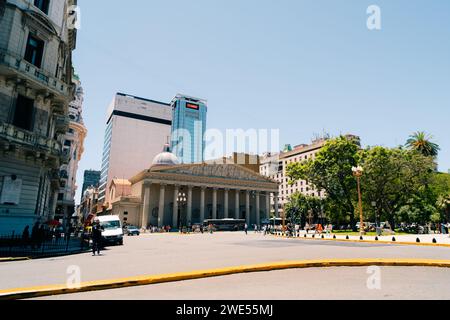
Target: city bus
column 275, row 222
column 226, row 224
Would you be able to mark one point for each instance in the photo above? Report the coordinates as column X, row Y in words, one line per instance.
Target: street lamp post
column 182, row 200
column 358, row 172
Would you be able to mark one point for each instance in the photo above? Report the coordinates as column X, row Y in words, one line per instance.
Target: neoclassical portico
column 170, row 194
column 179, row 195
column 206, row 190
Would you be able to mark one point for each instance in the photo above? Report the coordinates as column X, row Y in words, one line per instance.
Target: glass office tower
column 188, row 128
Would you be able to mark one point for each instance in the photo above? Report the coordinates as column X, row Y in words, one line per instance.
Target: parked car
column 131, row 231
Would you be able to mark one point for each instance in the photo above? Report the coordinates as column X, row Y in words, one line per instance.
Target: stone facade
column 35, row 91
column 216, row 191
column 74, row 146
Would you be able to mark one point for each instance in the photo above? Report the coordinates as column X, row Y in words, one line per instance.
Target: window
column 23, row 115
column 34, row 51
column 42, row 5
column 60, row 196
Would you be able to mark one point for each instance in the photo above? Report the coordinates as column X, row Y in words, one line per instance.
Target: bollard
column 361, row 238
column 306, row 236
column 434, row 240
column 323, row 237
column 376, row 238
column 347, row 238
column 334, row 237
column 418, row 240
column 393, row 239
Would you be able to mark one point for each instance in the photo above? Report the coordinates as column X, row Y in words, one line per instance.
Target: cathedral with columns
column 176, row 195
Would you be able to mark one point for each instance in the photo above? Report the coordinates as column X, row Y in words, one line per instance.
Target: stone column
column 145, row 206
column 175, row 207
column 162, row 194
column 277, row 213
column 247, row 207
column 225, row 204
column 236, row 205
column 214, row 208
column 258, row 211
column 267, row 205
column 189, row 206
column 202, row 205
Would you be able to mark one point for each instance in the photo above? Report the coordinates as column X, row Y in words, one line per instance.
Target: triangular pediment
column 224, row 171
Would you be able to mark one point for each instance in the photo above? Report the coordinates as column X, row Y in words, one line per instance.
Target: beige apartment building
column 275, row 166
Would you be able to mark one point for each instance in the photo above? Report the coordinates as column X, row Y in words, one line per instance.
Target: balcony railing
column 17, row 63
column 61, row 124
column 30, row 139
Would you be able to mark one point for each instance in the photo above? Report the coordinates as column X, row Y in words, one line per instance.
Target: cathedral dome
column 165, row 158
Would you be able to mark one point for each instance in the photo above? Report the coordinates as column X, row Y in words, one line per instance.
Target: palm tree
column 421, row 142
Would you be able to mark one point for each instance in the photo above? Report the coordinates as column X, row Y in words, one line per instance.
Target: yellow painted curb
column 370, row 241
column 33, row 292
column 14, row 259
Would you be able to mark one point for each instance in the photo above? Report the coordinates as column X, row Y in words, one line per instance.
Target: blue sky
column 303, row 67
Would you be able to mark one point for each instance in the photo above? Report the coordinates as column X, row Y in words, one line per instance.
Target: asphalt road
column 160, row 254
column 302, row 284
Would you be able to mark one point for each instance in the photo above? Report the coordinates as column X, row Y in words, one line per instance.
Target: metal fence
column 16, row 246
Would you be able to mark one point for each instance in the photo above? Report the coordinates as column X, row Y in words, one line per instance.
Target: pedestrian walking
column 35, row 235
column 26, row 236
column 330, row 229
column 41, row 236
column 96, row 237
column 246, row 229
column 307, row 228
column 319, row 229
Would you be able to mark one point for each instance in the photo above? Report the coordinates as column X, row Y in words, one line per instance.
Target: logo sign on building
column 11, row 190
column 192, row 106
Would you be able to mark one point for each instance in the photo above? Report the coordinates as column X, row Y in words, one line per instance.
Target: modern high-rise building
column 188, row 128
column 91, row 178
column 36, row 44
column 136, row 128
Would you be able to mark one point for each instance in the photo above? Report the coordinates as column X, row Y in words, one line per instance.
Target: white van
column 112, row 230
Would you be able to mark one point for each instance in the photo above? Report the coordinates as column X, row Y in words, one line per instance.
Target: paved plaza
column 305, row 284
column 169, row 253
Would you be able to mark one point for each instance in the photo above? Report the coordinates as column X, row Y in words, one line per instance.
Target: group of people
column 41, row 233
column 155, row 229
column 319, row 229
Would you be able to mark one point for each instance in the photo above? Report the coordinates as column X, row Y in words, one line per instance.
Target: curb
column 34, row 292
column 369, row 241
column 14, row 259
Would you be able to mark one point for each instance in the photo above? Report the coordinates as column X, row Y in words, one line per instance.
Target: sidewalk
column 424, row 238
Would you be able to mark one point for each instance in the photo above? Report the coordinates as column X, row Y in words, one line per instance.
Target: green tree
column 331, row 171
column 397, row 181
column 301, row 206
column 443, row 205
column 422, row 142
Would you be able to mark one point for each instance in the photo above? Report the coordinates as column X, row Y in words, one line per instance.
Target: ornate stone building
column 36, row 43
column 73, row 144
column 172, row 194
